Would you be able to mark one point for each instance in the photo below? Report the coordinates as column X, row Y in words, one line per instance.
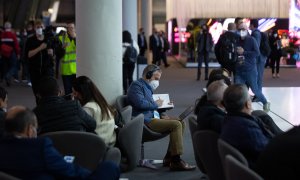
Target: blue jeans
column 250, row 78
column 10, row 66
column 260, row 70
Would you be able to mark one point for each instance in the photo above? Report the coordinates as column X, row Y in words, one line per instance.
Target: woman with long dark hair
column 96, row 106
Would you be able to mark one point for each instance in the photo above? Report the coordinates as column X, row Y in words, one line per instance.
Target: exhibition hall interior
column 177, row 46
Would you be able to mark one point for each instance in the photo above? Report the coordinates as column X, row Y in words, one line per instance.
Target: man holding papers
column 140, row 98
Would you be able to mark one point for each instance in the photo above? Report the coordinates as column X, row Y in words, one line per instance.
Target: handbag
column 6, row 50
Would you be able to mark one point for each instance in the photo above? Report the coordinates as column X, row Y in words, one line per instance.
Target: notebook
column 167, row 104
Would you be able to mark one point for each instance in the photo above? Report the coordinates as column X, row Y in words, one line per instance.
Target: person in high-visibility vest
column 68, row 62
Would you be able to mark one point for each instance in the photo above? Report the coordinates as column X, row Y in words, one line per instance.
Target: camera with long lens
column 51, row 40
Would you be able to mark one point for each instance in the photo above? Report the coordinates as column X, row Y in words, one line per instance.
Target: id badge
column 156, row 115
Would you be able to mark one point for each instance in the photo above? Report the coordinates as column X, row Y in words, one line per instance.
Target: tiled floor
column 284, row 105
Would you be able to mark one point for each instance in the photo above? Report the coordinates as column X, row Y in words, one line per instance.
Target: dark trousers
column 156, row 57
column 25, row 71
column 142, row 51
column 163, row 57
column 35, row 75
column 275, row 61
column 204, row 55
column 128, row 69
column 67, row 81
column 10, row 66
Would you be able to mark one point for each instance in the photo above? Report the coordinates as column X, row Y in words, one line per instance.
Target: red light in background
column 187, row 35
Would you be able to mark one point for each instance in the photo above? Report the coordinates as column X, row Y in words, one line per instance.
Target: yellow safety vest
column 68, row 62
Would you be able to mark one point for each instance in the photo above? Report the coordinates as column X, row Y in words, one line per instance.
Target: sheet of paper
column 166, row 100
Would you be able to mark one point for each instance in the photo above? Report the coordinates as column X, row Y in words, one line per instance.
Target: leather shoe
column 181, row 166
column 166, row 162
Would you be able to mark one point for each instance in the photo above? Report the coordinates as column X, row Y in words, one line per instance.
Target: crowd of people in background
column 226, row 107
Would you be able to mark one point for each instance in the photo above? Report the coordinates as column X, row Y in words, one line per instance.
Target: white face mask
column 275, row 35
column 243, row 33
column 39, row 31
column 154, row 84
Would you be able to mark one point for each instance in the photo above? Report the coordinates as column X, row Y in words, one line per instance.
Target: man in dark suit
column 27, row 157
column 164, row 48
column 155, row 47
column 142, row 42
column 205, row 44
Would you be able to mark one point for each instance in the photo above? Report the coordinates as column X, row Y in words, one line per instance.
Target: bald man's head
column 215, row 91
column 20, row 120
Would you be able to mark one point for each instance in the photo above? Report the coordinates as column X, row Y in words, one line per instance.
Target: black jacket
column 280, row 159
column 210, row 117
column 204, row 45
column 57, row 114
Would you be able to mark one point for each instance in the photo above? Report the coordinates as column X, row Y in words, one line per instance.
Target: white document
column 166, row 100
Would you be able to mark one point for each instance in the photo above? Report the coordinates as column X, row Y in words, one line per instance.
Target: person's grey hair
column 19, row 121
column 215, row 91
column 7, row 25
column 151, row 67
column 235, row 98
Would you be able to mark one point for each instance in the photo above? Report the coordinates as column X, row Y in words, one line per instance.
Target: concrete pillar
column 99, row 49
column 129, row 17
column 146, row 22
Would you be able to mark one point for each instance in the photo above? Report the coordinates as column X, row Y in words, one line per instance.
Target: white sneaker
column 29, row 84
column 267, row 107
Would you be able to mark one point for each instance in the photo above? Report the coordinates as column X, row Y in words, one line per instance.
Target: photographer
column 40, row 57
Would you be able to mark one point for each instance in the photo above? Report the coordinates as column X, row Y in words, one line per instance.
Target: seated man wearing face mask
column 245, row 68
column 40, row 57
column 140, row 98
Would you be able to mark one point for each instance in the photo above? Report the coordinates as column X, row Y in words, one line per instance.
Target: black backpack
column 264, row 48
column 130, row 55
column 228, row 50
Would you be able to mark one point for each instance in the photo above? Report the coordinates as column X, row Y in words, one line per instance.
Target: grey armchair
column 237, row 170
column 130, row 138
column 226, row 149
column 207, row 149
column 193, row 128
column 87, row 148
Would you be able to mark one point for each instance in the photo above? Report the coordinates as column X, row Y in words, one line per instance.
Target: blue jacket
column 251, row 52
column 140, row 98
column 257, row 36
column 36, row 159
column 245, row 133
